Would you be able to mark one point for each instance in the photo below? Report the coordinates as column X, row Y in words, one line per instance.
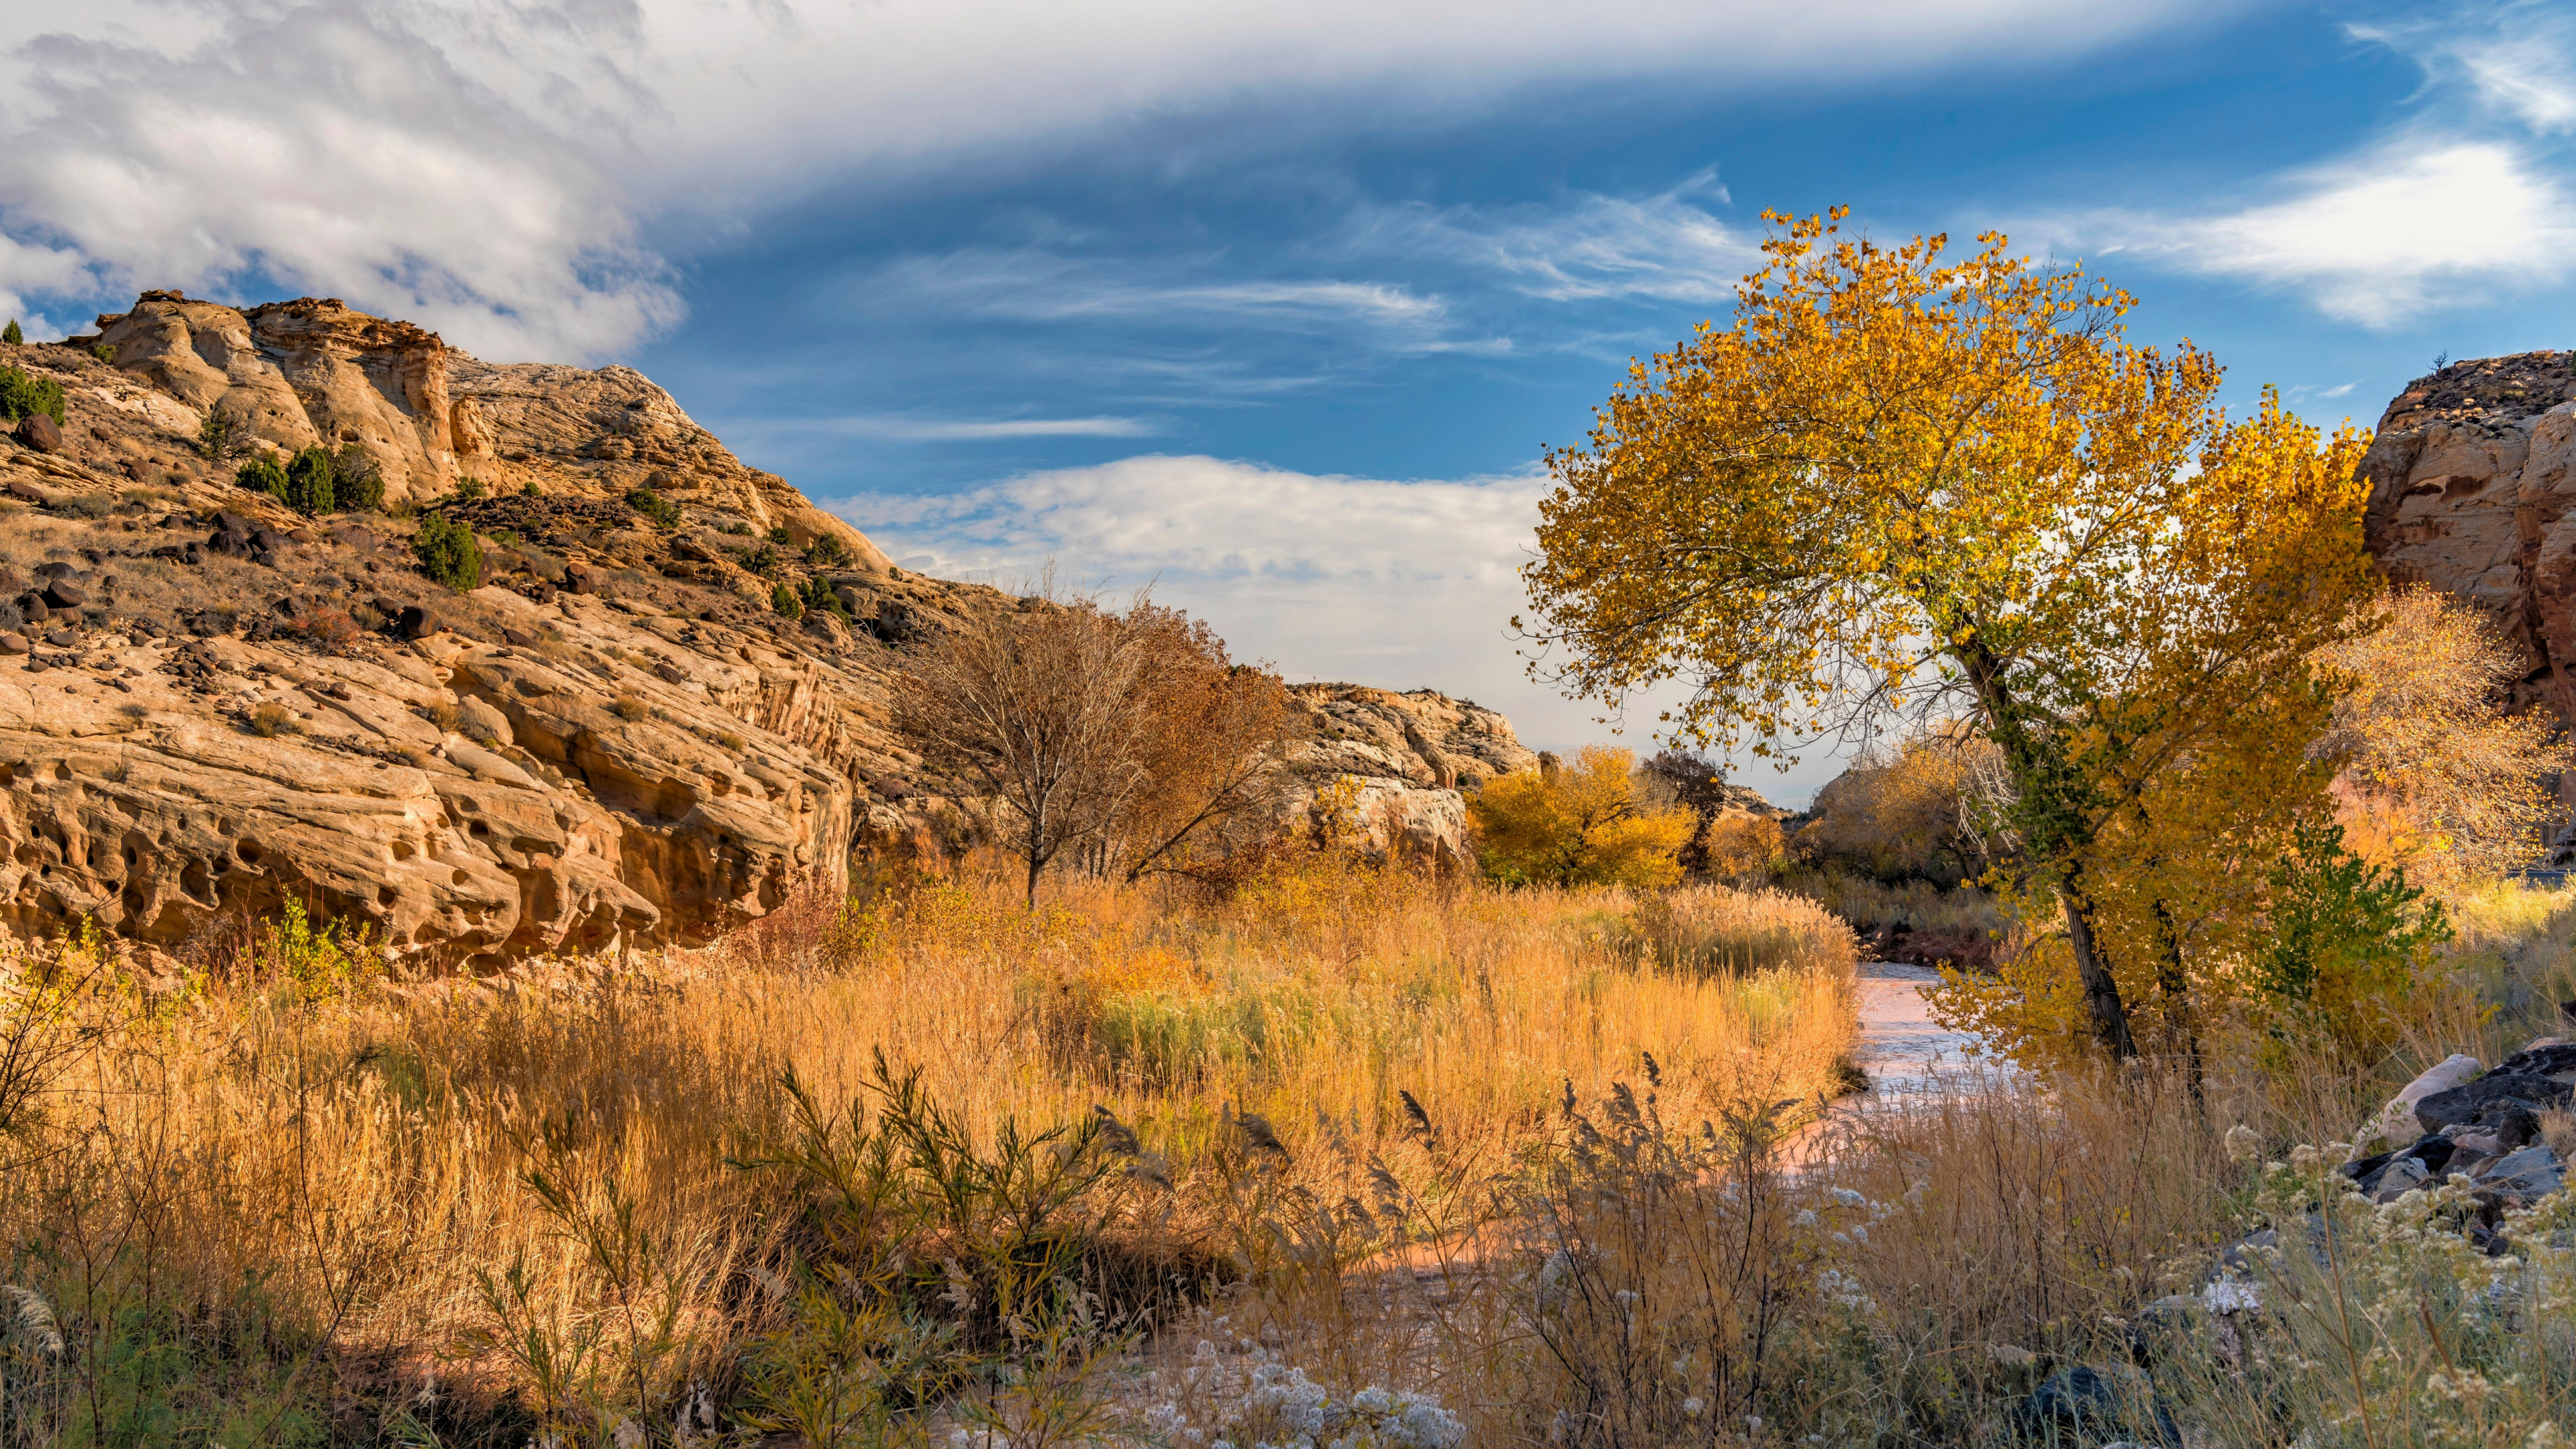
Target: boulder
column 64, row 594
column 38, row 431
column 417, row 622
column 482, row 721
column 1413, row 756
column 2551, row 1059
column 2526, row 1092
column 2082, row 1404
column 2396, row 1121
column 13, row 643
column 2424, row 1160
column 2527, row 1175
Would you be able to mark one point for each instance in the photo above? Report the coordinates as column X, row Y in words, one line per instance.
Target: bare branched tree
column 1131, row 739
column 1214, row 739
column 1037, row 712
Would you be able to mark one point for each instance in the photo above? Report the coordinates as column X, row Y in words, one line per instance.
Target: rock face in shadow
column 2471, row 488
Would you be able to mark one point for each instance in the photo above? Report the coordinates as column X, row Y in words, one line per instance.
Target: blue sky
column 1276, row 310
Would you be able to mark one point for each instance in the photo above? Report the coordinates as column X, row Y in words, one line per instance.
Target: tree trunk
column 2101, row 993
column 2024, row 755
column 2176, row 986
column 1034, row 854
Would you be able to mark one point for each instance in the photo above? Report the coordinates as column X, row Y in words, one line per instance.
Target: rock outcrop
column 210, row 705
column 312, row 371
column 1411, row 758
column 2473, row 491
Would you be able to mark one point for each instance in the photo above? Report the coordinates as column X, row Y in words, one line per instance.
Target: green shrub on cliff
column 309, row 482
column 23, row 396
column 448, row 552
column 262, row 475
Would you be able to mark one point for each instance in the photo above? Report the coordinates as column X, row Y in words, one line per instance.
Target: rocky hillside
column 2471, row 487
column 210, row 705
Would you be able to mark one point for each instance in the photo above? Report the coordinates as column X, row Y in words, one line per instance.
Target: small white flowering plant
column 2356, row 1323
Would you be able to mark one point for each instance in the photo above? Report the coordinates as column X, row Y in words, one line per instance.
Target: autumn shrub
column 272, row 719
column 1578, row 824
column 448, row 552
column 1910, row 811
column 1741, row 846
column 2441, row 775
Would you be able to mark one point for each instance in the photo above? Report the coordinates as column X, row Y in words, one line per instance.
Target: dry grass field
column 293, row 1199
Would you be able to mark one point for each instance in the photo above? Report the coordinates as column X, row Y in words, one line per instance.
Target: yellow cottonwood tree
column 1578, row 824
column 1898, row 482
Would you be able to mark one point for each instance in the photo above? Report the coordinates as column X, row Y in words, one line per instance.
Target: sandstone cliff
column 2471, row 491
column 210, row 705
column 1412, row 757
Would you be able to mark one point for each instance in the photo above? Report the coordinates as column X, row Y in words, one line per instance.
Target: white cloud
column 1399, row 584
column 1031, row 285
column 2535, row 82
column 1396, row 584
column 331, row 151
column 487, row 169
column 2422, row 222
column 1664, row 246
column 2518, row 60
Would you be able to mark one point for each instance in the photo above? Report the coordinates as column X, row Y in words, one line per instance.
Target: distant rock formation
column 2471, row 492
column 1413, row 758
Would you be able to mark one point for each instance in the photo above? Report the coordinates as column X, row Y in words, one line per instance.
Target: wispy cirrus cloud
column 1036, row 285
column 1586, row 247
column 2470, row 200
column 2517, row 60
